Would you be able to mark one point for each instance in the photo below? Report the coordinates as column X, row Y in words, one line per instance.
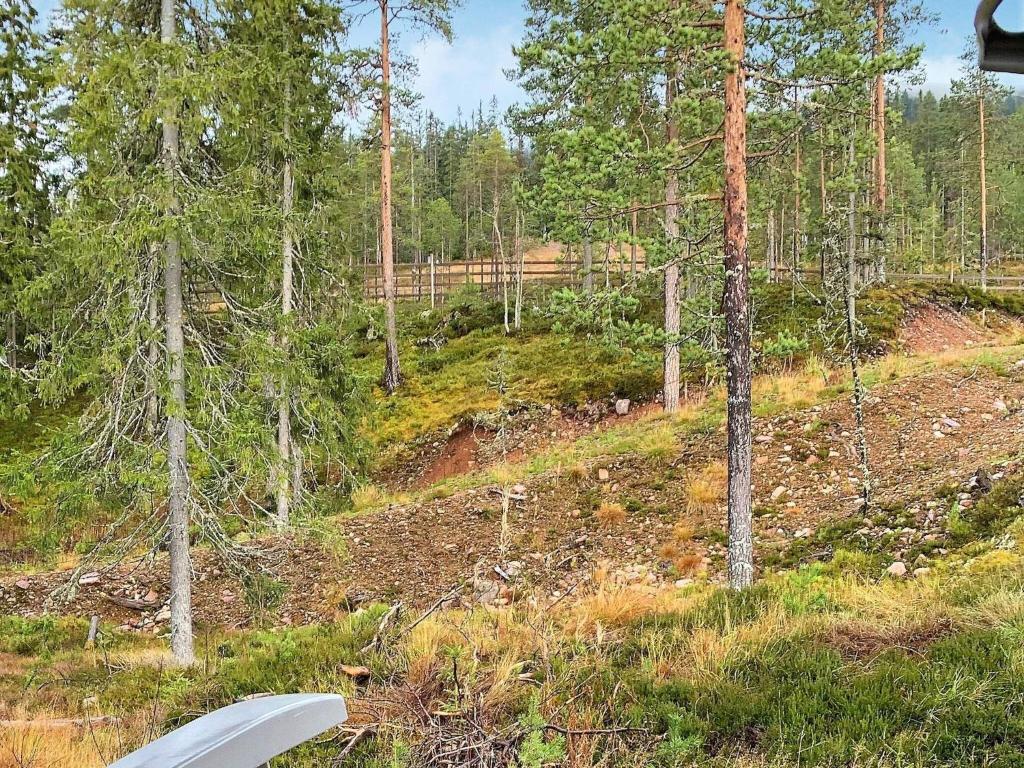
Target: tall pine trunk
column 632, row 243
column 392, row 370
column 984, row 191
column 284, row 426
column 153, row 345
column 737, row 305
column 520, row 253
column 797, row 205
column 177, row 460
column 850, row 296
column 880, row 160
column 588, row 266
column 670, row 373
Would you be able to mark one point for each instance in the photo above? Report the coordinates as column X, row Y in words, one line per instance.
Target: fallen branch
column 386, row 621
column 127, row 602
column 354, row 741
column 591, row 731
column 433, row 608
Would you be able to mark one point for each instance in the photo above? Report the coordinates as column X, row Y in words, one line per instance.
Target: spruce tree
column 25, row 149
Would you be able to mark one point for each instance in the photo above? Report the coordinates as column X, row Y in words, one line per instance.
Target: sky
column 471, row 70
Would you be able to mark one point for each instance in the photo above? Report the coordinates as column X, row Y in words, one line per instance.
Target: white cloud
column 939, row 71
column 465, row 73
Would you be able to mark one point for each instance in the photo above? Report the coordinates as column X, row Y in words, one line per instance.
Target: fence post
column 433, row 292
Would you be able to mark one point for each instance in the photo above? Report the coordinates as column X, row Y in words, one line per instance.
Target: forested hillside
column 670, row 416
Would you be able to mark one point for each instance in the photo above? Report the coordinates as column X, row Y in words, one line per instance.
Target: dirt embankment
column 643, row 519
column 924, row 432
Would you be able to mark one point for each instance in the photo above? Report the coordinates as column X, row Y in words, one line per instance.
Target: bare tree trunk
column 177, row 458
column 797, row 202
column 824, row 199
column 850, row 296
column 963, row 214
column 153, row 347
column 984, row 191
column 737, row 305
column 880, row 160
column 433, row 288
column 769, row 258
column 418, row 255
column 284, row 426
column 12, row 339
column 632, row 244
column 670, row 372
column 467, row 222
column 588, row 266
column 392, row 368
column 521, row 258
column 94, row 629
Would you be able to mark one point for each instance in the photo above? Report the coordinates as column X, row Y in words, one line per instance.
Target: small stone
column 164, row 614
column 779, row 492
column 603, row 475
column 897, row 569
column 999, row 406
column 22, row 583
column 519, row 489
column 88, row 578
column 924, row 571
column 622, row 407
column 680, row 583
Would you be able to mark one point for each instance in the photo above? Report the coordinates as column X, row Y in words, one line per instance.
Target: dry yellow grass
column 610, row 514
column 798, row 389
column 609, row 607
column 702, row 654
column 157, row 658
column 35, row 742
column 705, row 491
column 367, row 497
column 578, row 470
column 688, row 564
column 682, row 532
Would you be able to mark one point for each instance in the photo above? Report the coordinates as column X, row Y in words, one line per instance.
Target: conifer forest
column 607, row 383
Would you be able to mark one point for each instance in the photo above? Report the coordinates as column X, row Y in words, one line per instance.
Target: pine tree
column 429, row 14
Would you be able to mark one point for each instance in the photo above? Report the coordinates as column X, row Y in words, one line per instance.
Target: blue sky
column 471, row 69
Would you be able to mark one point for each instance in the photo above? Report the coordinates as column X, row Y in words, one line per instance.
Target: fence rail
column 441, row 278
column 993, row 282
column 416, row 282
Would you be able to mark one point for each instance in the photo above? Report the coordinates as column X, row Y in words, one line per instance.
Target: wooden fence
column 440, row 279
column 1003, row 283
column 418, row 282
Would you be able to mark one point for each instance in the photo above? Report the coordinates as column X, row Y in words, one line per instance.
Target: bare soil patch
column 932, row 328
column 469, row 447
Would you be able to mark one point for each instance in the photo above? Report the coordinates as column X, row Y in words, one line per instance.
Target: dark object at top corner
column 1001, row 51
